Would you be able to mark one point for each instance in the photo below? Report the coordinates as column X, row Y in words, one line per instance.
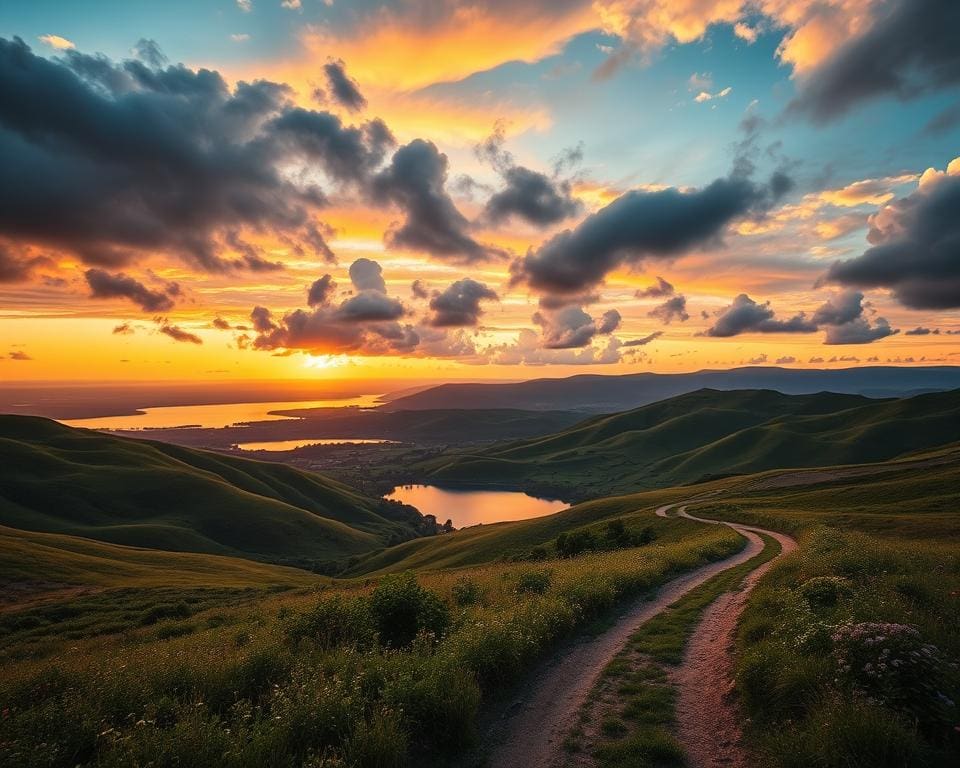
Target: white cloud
column 240, row 38
column 55, row 41
column 707, row 96
column 245, row 5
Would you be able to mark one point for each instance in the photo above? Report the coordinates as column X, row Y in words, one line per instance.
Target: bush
column 536, row 582
column 825, row 591
column 465, row 591
column 336, row 621
column 402, row 609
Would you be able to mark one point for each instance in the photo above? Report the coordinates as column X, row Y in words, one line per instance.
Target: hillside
column 604, row 394
column 915, row 497
column 707, row 433
column 57, row 479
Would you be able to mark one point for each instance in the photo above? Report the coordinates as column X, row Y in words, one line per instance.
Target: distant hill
column 604, row 394
column 57, row 479
column 706, row 434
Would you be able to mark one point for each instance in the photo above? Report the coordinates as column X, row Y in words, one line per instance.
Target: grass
column 707, row 434
column 56, row 479
column 228, row 682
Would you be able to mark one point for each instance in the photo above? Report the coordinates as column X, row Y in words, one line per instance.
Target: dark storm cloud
column 370, row 305
column 343, row 88
column 459, row 304
column 745, row 315
column 915, row 248
column 15, row 268
column 415, row 182
column 572, row 328
column 911, row 48
column 638, row 225
column 104, row 285
column 842, row 308
column 859, row 331
column 674, row 308
column 110, row 161
column 320, row 291
column 366, row 274
column 536, row 198
column 657, row 290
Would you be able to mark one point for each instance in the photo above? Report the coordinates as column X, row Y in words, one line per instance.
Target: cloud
column 859, row 331
column 178, row 334
column 922, row 331
column 760, row 359
column 367, row 275
column 527, row 350
column 344, row 90
column 166, row 160
column 459, row 304
column 124, row 329
column 245, row 5
column 415, row 182
column 104, row 285
column 660, row 288
column 536, row 198
column 642, row 342
column 320, row 291
column 419, row 289
column 370, row 306
column 240, row 37
column 707, row 96
column 572, row 328
column 839, row 309
column 786, row 360
column 672, row 309
column 745, row 315
column 15, row 267
column 637, row 226
column 915, row 246
column 909, row 48
column 57, row 42
column 19, row 355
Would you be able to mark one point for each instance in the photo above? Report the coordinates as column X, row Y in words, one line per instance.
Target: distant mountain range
column 706, row 434
column 60, row 480
column 605, row 394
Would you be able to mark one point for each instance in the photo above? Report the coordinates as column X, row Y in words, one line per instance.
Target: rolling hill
column 56, row 479
column 703, row 434
column 605, row 394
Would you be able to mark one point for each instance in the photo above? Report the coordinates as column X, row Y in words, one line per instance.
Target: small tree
column 403, row 608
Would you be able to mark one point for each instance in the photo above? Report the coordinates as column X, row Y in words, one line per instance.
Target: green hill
column 57, row 479
column 707, row 434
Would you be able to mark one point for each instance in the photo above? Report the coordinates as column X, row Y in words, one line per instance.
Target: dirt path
column 531, row 734
column 708, row 725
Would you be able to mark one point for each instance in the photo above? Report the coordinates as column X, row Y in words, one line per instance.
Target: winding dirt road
column 531, row 734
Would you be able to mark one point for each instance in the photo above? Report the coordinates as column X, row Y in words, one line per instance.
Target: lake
column 214, row 416
column 470, row 507
column 289, row 445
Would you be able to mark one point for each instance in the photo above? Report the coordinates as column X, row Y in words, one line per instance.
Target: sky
column 257, row 189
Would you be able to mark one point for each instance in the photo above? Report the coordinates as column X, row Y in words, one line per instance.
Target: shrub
column 339, row 620
column 402, row 608
column 825, row 591
column 536, row 582
column 465, row 591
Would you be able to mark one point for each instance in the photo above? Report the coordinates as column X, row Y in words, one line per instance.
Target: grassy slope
column 709, row 433
column 916, row 496
column 140, row 493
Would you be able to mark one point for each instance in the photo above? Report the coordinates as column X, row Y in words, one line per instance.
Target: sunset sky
column 433, row 188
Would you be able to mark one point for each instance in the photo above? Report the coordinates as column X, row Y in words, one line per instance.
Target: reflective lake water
column 466, row 507
column 289, row 445
column 214, row 416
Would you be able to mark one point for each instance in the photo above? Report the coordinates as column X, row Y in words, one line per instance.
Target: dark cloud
column 111, row 161
column 915, row 246
column 16, row 268
column 638, row 225
column 572, row 328
column 343, row 88
column 104, row 285
column 321, row 291
column 556, row 301
column 786, row 360
column 366, row 274
column 148, row 51
column 839, row 309
column 909, row 49
column 415, row 182
column 745, row 315
column 459, row 304
column 657, row 290
column 370, row 306
column 674, row 308
column 922, row 331
column 178, row 334
column 419, row 289
column 124, row 329
column 19, row 355
column 859, row 331
column 643, row 341
column 944, row 122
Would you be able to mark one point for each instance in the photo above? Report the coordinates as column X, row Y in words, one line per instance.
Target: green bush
column 535, row 582
column 825, row 590
column 339, row 620
column 465, row 591
column 402, row 609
